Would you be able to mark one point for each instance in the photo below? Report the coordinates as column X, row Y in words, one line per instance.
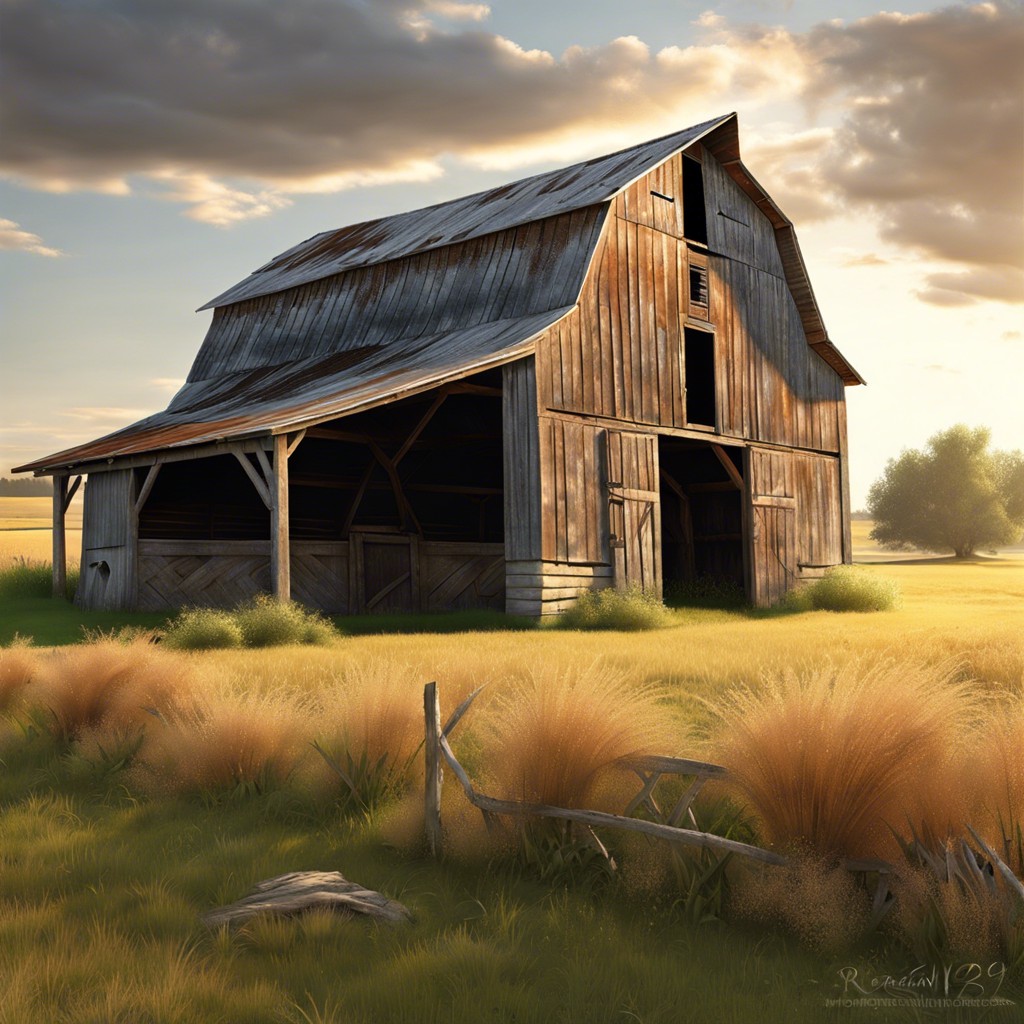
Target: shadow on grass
column 470, row 621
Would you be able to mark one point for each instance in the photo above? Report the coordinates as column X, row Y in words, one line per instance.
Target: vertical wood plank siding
column 521, row 459
column 107, row 572
column 620, row 355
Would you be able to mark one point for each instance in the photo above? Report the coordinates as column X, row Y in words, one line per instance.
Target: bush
column 267, row 622
column 202, row 629
column 627, row 610
column 845, row 589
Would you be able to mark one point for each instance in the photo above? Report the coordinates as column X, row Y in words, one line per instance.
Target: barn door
column 773, row 546
column 383, row 573
column 634, row 510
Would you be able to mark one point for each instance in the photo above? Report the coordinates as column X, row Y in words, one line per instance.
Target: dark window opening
column 695, row 221
column 699, row 367
column 698, row 286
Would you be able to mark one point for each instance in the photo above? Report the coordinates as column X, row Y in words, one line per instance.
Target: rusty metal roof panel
column 535, row 198
column 265, row 400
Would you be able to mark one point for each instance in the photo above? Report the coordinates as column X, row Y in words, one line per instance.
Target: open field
column 105, row 871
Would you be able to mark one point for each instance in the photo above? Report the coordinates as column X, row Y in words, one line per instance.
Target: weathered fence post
column 435, row 773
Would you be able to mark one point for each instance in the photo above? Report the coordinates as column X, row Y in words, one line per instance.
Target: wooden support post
column 60, row 555
column 435, row 773
column 280, row 549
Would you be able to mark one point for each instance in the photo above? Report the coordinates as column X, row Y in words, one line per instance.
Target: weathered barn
column 611, row 373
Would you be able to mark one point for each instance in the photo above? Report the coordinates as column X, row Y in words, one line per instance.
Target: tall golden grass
column 559, row 735
column 833, row 760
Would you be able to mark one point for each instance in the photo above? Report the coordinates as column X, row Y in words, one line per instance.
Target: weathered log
column 299, row 891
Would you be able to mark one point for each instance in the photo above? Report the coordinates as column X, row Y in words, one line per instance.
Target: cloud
column 868, row 259
column 12, row 237
column 233, row 108
column 167, row 383
column 106, row 415
column 1011, row 335
column 930, row 139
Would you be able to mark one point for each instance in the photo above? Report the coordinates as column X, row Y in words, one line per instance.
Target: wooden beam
column 434, row 770
column 419, row 428
column 357, row 500
column 257, row 481
column 60, row 558
column 404, row 508
column 280, row 550
column 147, row 486
column 728, row 466
column 463, row 388
column 294, row 440
column 72, row 491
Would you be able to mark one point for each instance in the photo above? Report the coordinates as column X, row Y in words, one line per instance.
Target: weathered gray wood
column 280, row 554
column 302, row 891
column 434, row 770
column 686, row 837
column 258, row 481
column 60, row 557
column 147, row 487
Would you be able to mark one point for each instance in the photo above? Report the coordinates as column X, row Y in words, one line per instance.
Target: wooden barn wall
column 521, row 460
column 448, row 575
column 574, row 499
column 108, row 552
column 620, row 355
column 528, row 269
column 796, row 519
column 819, row 518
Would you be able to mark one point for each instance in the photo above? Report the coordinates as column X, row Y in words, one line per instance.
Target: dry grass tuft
column 109, row 684
column 832, row 759
column 557, row 736
column 817, row 902
column 994, row 778
column 227, row 742
column 18, row 664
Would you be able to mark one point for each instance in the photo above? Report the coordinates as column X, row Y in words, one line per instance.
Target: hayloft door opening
column 634, row 510
column 702, row 543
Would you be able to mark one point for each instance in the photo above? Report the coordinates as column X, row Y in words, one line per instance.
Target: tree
column 957, row 494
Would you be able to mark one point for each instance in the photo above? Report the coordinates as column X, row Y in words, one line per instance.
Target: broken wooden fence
column 650, row 770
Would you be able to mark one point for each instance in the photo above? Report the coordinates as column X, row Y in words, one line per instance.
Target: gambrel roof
column 369, row 313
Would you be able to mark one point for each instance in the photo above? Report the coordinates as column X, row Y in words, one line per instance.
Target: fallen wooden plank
column 299, row 891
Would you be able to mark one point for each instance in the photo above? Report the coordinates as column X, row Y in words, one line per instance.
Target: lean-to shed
column 614, row 373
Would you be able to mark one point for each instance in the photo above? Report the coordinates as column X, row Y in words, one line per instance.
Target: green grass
column 101, row 894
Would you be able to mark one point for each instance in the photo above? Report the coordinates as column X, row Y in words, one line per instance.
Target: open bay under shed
column 614, row 373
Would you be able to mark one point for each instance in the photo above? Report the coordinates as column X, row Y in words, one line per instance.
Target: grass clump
column 26, row 578
column 203, row 629
column 18, row 663
column 267, row 622
column 107, row 685
column 845, row 588
column 559, row 737
column 626, row 610
column 261, row 622
column 833, row 759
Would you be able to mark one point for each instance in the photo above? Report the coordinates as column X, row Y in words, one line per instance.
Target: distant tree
column 956, row 495
column 25, row 488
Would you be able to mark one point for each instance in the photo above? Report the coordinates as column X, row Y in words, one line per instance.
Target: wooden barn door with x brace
column 634, row 510
column 773, row 547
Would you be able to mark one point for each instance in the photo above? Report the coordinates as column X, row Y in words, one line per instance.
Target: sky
column 152, row 154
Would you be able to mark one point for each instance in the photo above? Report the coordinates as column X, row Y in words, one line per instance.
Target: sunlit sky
column 152, row 154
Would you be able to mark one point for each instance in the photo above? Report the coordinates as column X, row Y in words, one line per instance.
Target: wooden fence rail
column 649, row 769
